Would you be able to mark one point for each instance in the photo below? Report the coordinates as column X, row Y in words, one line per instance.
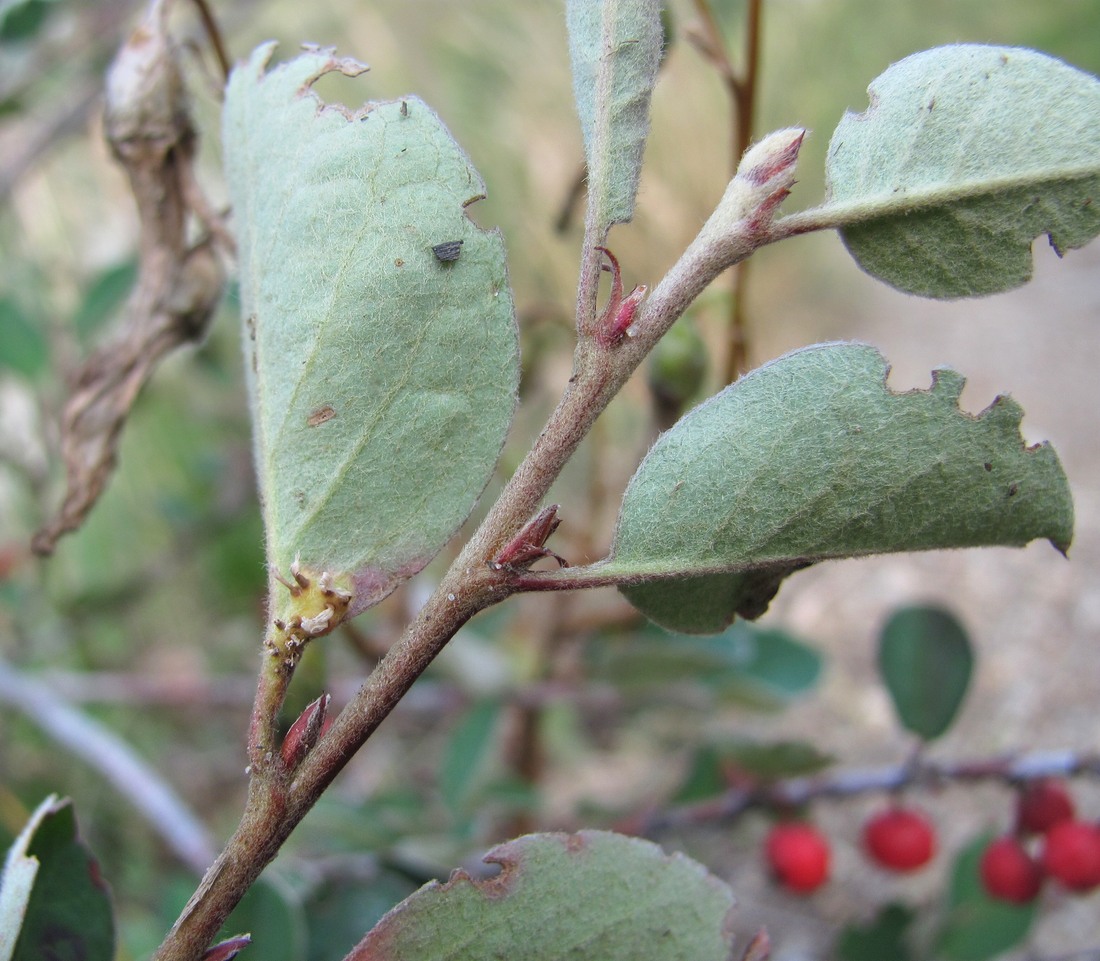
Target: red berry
column 798, row 855
column 1072, row 854
column 900, row 839
column 1009, row 873
column 1042, row 804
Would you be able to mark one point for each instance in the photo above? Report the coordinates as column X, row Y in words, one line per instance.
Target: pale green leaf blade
column 590, row 896
column 382, row 373
column 967, row 154
column 813, row 457
column 615, row 50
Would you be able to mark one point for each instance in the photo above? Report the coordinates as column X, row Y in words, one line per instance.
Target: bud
column 529, row 544
column 227, row 950
column 618, row 316
column 763, row 180
column 770, row 163
column 305, row 732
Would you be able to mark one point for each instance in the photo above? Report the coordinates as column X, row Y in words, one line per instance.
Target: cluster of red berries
column 1067, row 849
column 899, row 839
column 902, row 839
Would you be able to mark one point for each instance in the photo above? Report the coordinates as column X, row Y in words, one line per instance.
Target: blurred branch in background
column 741, row 86
column 792, row 793
column 103, row 750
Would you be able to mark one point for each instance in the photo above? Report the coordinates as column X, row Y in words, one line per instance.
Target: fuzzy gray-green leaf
column 590, row 896
column 615, row 49
column 382, row 376
column 966, row 154
column 812, row 457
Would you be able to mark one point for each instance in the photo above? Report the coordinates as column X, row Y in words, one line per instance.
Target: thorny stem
column 279, row 799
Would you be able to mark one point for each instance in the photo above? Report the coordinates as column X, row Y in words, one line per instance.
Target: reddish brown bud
column 305, row 732
column 227, row 950
column 759, row 948
column 776, row 154
column 614, row 323
column 527, row 546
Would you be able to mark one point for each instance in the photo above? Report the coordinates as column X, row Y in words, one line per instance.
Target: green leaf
column 882, row 937
column 466, row 752
column 762, row 668
column 382, row 374
column 337, row 912
column 22, row 21
column 615, row 49
column 53, row 901
column 23, row 346
column 716, row 767
column 772, row 760
column 813, row 457
column 966, row 154
column 103, row 298
column 925, row 658
column 272, row 913
column 626, row 901
column 977, row 926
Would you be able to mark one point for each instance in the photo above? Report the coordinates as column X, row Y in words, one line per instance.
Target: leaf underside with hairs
column 615, row 50
column 812, row 457
column 382, row 357
column 967, row 154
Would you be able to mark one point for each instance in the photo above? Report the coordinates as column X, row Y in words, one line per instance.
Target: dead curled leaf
column 148, row 126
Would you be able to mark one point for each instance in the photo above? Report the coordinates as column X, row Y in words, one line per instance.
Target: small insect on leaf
column 324, row 413
column 448, row 250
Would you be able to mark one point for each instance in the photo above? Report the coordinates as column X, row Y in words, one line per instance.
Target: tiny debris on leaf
column 448, row 251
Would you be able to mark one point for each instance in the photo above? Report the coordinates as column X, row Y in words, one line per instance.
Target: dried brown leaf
column 148, row 126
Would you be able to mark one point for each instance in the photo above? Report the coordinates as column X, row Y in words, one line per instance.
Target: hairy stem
column 278, row 799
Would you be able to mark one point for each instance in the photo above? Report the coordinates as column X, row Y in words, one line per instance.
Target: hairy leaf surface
column 615, row 49
column 966, row 154
column 382, row 372
column 812, row 457
column 590, row 896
